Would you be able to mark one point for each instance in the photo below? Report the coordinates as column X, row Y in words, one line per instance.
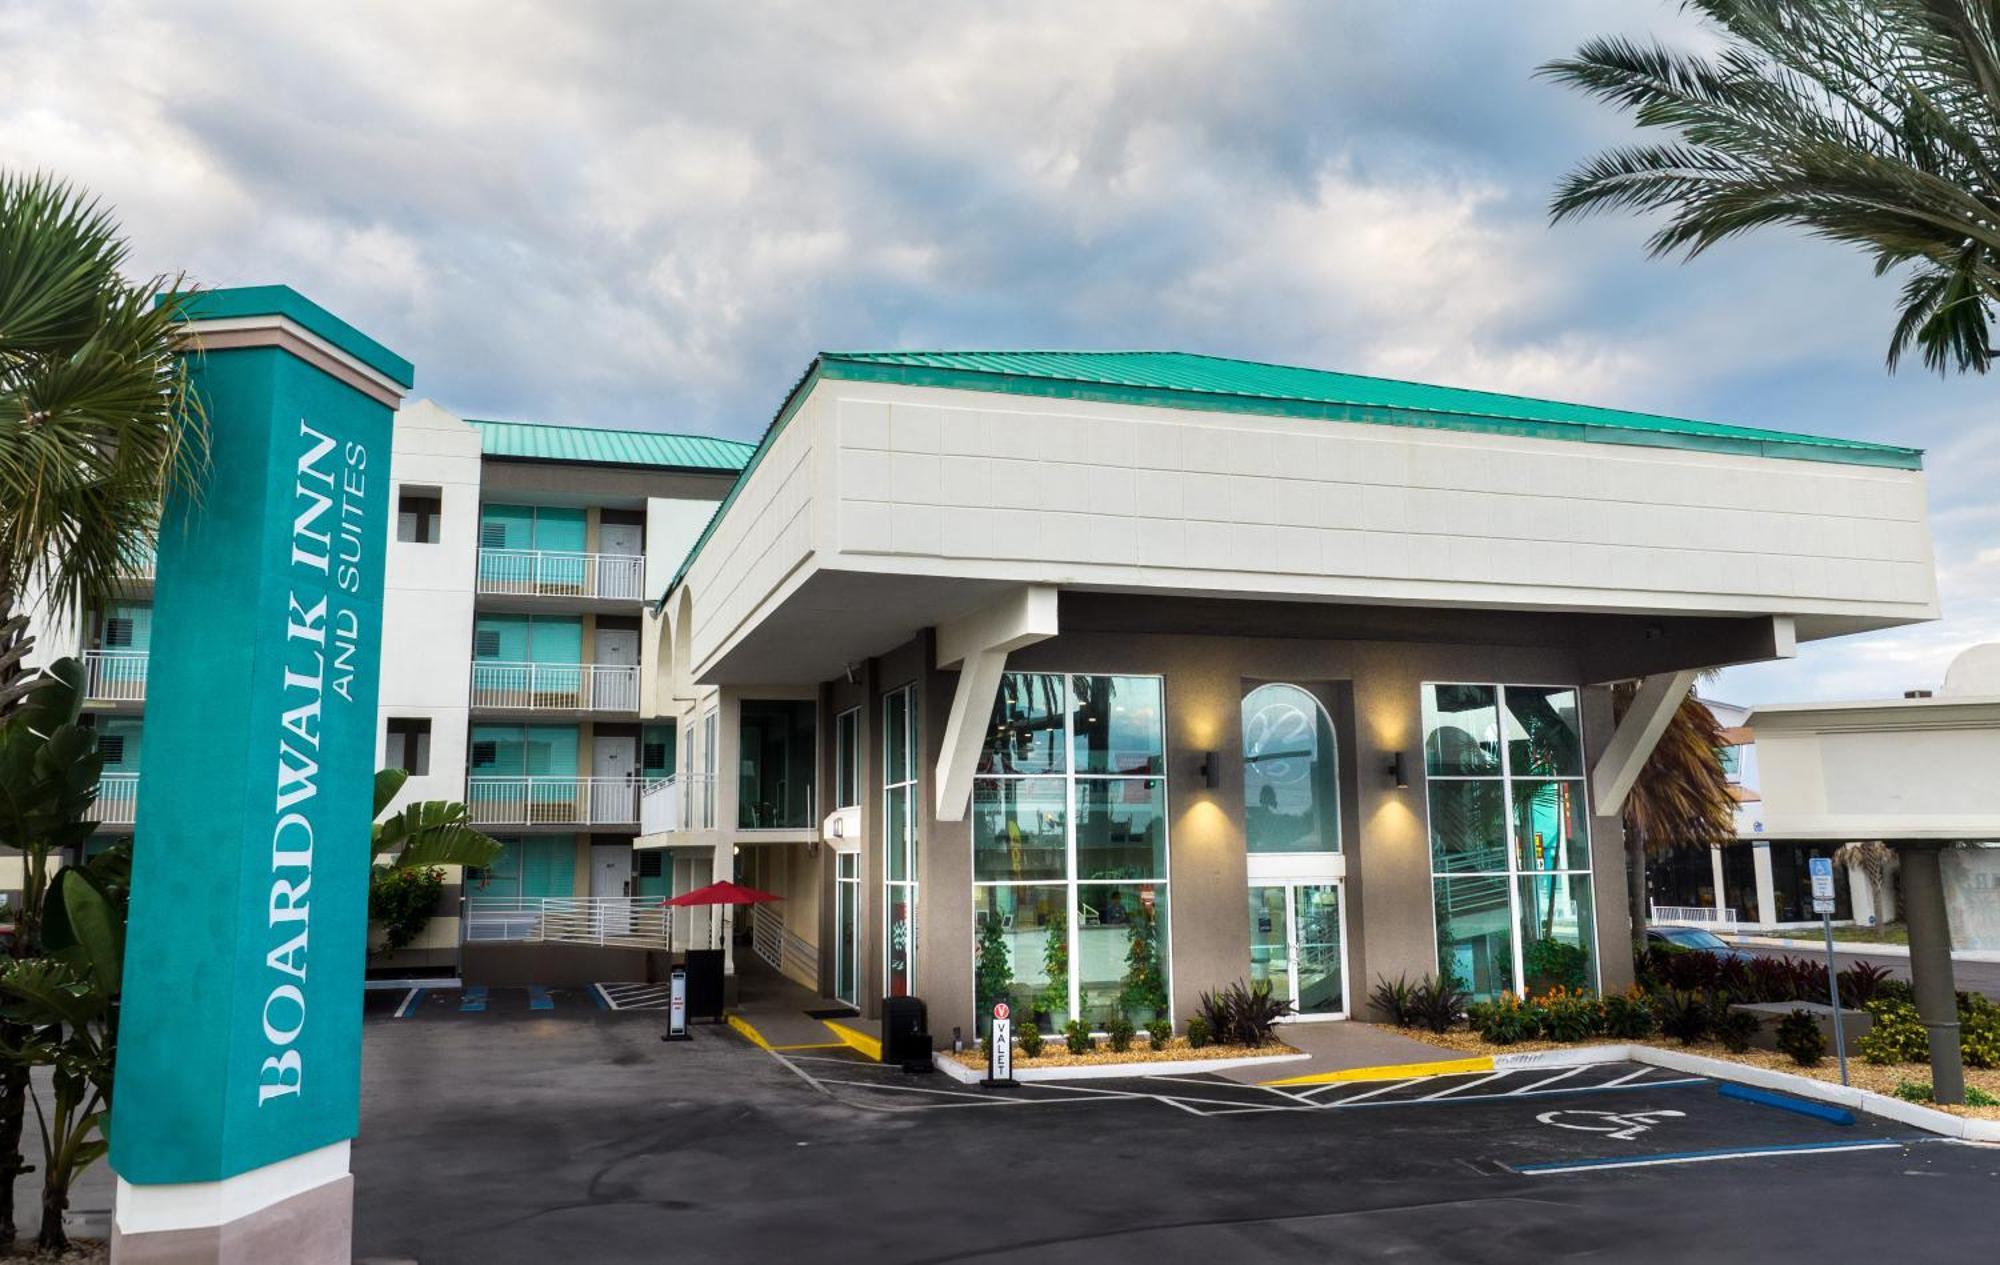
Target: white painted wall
column 427, row 596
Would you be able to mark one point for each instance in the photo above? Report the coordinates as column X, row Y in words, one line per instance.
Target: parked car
column 1694, row 938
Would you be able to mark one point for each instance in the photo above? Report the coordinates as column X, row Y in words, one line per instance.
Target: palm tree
column 1870, row 122
column 1874, row 861
column 96, row 419
column 96, row 425
column 1680, row 800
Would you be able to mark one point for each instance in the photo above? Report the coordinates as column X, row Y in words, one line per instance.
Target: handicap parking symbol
column 1624, row 1125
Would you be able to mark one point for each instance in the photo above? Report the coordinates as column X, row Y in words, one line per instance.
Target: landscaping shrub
column 1683, row 1014
column 1552, row 963
column 1435, row 1004
column 1733, row 1027
column 1895, row 990
column 1159, row 1032
column 1031, row 1040
column 1076, row 1035
column 1243, row 1014
column 1198, row 1033
column 1505, row 1021
column 1978, row 1030
column 1119, row 1031
column 1627, row 1016
column 402, row 897
column 1860, row 983
column 1569, row 1014
column 1799, row 1037
column 1392, row 998
column 1897, row 1035
column 1920, row 1091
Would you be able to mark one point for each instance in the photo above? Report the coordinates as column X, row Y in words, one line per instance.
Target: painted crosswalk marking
column 633, row 996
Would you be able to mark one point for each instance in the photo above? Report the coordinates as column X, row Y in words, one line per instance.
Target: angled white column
column 1638, row 733
column 978, row 645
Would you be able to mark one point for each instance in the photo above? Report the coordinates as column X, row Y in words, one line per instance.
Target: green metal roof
column 588, row 445
column 1176, row 379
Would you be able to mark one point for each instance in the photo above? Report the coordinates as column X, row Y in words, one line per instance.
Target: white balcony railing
column 628, row 921
column 556, row 687
column 141, row 565
column 114, row 676
column 543, row 573
column 1700, row 915
column 553, row 801
column 683, row 802
column 117, row 802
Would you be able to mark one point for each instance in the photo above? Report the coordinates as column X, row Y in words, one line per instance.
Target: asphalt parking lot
column 571, row 1133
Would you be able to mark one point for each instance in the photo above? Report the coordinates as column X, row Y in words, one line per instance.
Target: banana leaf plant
column 409, row 846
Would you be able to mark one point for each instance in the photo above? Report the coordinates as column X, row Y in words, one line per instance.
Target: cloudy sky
column 653, row 214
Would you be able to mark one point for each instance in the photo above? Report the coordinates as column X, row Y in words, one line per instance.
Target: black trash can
column 906, row 1037
column 704, row 984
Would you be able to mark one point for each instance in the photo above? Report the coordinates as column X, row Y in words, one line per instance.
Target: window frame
column 1337, row 808
column 404, row 730
column 1513, row 875
column 1072, row 778
column 847, row 758
column 909, row 781
column 426, row 517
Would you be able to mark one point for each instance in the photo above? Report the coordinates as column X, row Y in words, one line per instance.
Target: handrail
column 625, row 921
column 561, row 573
column 114, row 676
column 536, row 800
column 603, row 687
column 1701, row 914
column 117, row 802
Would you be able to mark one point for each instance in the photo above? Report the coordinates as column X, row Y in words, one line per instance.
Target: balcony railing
column 1697, row 915
column 141, row 564
column 117, row 802
column 680, row 803
column 556, row 687
column 630, row 921
column 114, row 676
column 542, row 573
column 553, row 801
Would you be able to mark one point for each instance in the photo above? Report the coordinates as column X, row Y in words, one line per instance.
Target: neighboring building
column 518, row 661
column 1097, row 680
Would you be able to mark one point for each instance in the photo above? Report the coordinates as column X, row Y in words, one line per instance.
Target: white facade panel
column 933, row 481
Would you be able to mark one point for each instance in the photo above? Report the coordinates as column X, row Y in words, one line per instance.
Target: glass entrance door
column 1295, row 944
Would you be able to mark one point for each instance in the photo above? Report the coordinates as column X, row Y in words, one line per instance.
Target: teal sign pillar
column 239, row 1054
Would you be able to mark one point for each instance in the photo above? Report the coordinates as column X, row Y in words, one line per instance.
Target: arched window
column 1291, row 772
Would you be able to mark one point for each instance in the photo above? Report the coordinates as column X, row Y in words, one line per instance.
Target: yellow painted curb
column 742, row 1025
column 1390, row 1072
column 858, row 1040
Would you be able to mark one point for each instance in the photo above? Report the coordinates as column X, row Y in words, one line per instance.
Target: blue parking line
column 539, row 999
column 473, row 1000
column 1785, row 1102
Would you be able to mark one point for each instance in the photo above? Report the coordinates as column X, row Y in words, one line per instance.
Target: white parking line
column 1550, row 1080
column 1371, row 1093
column 1465, row 1085
column 1629, row 1076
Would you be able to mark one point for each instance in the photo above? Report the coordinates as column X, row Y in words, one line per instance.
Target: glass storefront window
column 1027, row 731
column 899, row 840
column 775, row 764
column 1475, row 940
column 1549, row 827
column 1121, row 955
column 1510, row 837
column 1117, row 724
column 1020, row 829
column 1021, row 953
column 1069, row 841
column 1556, row 932
column 1291, row 778
column 1461, row 731
column 1121, row 828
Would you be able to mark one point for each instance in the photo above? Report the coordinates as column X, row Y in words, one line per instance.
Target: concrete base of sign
column 300, row 1211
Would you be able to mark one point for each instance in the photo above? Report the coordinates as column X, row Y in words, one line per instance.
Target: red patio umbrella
column 723, row 893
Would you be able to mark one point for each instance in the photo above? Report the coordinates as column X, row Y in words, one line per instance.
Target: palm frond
column 1873, row 123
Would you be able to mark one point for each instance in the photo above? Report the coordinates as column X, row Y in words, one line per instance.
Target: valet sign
column 1000, row 1046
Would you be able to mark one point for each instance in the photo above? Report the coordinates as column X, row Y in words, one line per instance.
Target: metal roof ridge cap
column 1748, row 435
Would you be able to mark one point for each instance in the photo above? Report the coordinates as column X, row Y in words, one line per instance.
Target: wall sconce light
column 1398, row 772
column 1211, row 775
